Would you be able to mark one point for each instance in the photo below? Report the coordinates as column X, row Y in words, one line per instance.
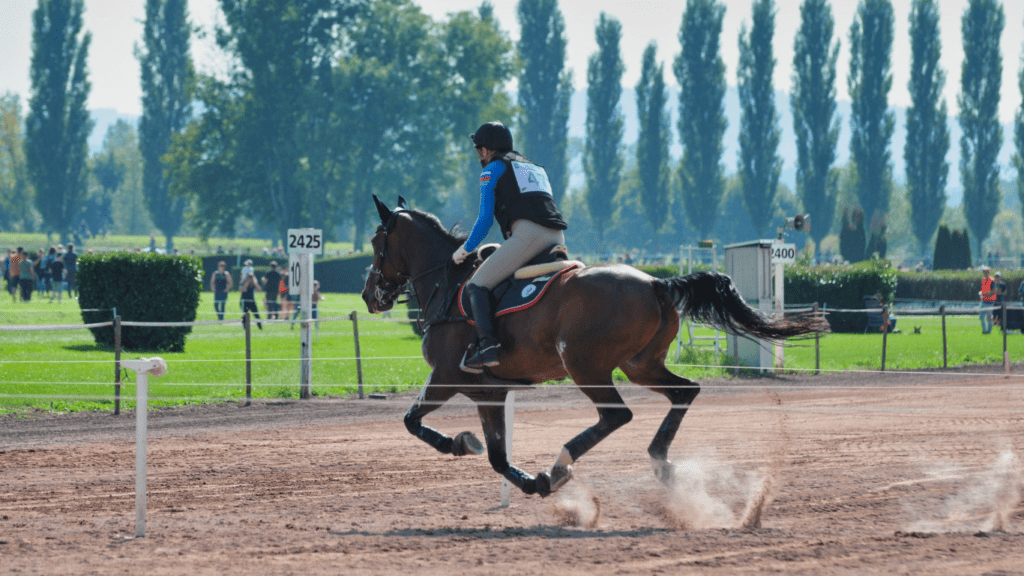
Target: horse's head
column 388, row 273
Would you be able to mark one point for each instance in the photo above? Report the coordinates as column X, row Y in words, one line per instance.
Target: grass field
column 34, row 241
column 66, row 370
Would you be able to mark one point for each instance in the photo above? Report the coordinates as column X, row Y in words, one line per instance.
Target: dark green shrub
column 144, row 288
column 952, row 285
column 841, row 287
column 341, row 274
column 663, row 271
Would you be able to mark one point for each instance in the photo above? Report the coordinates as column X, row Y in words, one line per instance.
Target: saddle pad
column 514, row 295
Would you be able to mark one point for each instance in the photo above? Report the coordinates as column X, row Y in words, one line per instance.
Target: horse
column 590, row 321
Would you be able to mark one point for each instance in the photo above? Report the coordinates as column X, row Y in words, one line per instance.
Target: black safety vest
column 512, row 203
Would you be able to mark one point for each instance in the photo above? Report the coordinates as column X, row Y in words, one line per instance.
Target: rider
column 515, row 192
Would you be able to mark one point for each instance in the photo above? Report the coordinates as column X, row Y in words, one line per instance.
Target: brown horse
column 590, row 321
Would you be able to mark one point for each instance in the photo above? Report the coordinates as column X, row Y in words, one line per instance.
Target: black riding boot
column 483, row 315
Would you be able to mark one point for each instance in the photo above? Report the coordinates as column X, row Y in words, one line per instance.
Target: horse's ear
column 401, row 203
column 384, row 211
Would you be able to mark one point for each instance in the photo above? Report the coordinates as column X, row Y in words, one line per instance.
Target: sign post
column 782, row 254
column 302, row 244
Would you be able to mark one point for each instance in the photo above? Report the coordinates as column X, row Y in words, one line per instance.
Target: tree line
column 329, row 101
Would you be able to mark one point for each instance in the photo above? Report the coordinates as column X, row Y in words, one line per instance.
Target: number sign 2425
column 305, row 241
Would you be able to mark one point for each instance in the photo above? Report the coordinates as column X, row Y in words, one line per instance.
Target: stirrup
column 485, row 356
column 465, row 368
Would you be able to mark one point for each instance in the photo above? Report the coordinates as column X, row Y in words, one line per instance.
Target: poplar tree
column 168, row 80
column 700, row 71
column 1018, row 138
column 602, row 164
column 813, row 102
column 980, row 81
column 58, row 124
column 653, row 139
column 871, row 121
column 15, row 191
column 759, row 161
column 545, row 90
column 927, row 132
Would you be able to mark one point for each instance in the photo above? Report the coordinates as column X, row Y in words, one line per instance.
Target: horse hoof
column 560, row 475
column 544, row 484
column 664, row 471
column 466, row 443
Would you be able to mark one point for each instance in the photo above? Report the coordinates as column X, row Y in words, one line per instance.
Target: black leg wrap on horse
column 611, row 420
column 681, row 400
column 441, row 442
column 521, row 479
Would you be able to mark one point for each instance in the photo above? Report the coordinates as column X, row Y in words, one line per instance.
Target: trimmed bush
column 144, row 288
column 842, row 287
column 953, row 285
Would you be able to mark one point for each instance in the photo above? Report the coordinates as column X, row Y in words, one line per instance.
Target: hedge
column 841, row 287
column 952, row 285
column 144, row 287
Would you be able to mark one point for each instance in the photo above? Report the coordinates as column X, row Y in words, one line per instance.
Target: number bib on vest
column 531, row 178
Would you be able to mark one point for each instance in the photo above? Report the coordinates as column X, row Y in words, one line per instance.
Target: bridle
column 387, row 290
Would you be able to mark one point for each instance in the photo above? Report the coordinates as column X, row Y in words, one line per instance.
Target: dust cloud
column 576, row 506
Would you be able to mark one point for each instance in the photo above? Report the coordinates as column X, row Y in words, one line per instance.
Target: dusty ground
column 916, row 474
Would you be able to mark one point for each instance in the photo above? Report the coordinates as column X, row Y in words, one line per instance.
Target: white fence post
column 142, row 367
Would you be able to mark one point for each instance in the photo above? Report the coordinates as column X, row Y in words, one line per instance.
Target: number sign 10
column 305, row 241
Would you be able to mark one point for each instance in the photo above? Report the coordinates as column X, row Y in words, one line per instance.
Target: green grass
column 66, row 371
column 34, row 241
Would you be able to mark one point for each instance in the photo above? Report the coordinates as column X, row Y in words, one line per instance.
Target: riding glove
column 460, row 255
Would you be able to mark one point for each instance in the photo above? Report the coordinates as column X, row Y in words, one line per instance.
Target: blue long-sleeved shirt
column 488, row 180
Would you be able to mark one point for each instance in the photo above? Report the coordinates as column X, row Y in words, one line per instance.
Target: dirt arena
column 916, row 474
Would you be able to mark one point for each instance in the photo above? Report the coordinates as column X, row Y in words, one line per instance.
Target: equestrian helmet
column 493, row 135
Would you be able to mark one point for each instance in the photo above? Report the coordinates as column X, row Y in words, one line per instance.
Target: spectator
column 70, row 269
column 220, row 284
column 316, row 300
column 57, row 278
column 27, row 275
column 271, row 284
column 50, row 257
column 287, row 300
column 246, row 269
column 39, row 263
column 1000, row 289
column 14, row 259
column 248, row 289
column 7, row 271
column 988, row 299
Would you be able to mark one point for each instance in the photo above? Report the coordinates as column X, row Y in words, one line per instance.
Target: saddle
column 529, row 283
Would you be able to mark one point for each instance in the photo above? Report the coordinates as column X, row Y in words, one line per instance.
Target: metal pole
column 885, row 332
column 1006, row 355
column 247, row 324
column 117, row 365
column 942, row 312
column 510, row 416
column 359, row 360
column 306, row 303
column 817, row 346
column 141, row 409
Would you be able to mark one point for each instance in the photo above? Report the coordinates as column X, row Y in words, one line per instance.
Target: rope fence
column 117, row 323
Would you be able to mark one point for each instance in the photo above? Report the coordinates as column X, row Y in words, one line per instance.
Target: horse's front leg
column 431, row 398
column 492, row 417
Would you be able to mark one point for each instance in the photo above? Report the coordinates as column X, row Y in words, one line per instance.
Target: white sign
column 294, row 274
column 305, row 241
column 783, row 253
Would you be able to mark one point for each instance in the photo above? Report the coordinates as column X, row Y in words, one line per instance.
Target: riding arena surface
column 850, row 473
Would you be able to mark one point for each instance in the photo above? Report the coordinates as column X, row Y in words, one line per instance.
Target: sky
column 116, row 26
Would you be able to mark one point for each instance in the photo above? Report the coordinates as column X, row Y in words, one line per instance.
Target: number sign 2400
column 305, row 241
column 785, row 253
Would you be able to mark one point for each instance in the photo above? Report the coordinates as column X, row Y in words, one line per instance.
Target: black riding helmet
column 493, row 135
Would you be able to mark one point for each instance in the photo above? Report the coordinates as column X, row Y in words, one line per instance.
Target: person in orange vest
column 988, row 299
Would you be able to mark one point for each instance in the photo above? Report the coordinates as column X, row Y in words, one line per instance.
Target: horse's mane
column 455, row 237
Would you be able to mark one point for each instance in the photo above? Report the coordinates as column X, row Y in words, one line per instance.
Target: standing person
column 515, row 192
column 271, row 282
column 7, row 269
column 220, row 285
column 70, row 269
column 1000, row 289
column 50, row 257
column 248, row 289
column 57, row 278
column 13, row 265
column 988, row 298
column 27, row 277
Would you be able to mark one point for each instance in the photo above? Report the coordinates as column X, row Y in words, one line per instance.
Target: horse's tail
column 711, row 298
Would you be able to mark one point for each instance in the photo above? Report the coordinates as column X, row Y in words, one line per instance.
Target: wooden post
column 247, row 324
column 1006, row 355
column 117, row 365
column 359, row 360
column 942, row 312
column 885, row 332
column 817, row 346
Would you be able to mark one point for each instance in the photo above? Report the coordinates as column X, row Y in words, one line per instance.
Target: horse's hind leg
column 680, row 392
column 432, row 397
column 492, row 417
